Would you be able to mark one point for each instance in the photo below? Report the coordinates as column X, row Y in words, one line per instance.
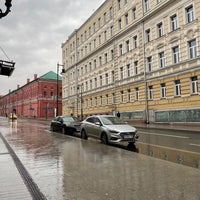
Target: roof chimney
column 28, row 80
column 35, row 76
column 17, row 86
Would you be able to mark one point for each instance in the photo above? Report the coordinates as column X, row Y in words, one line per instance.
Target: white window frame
column 192, row 49
column 176, row 54
column 189, row 14
column 162, row 90
column 137, row 94
column 161, row 56
column 174, row 22
column 194, row 85
column 150, row 92
column 177, row 88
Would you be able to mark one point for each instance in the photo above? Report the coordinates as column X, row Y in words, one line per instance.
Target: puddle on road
column 187, row 158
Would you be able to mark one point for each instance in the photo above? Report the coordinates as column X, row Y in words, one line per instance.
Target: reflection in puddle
column 187, row 158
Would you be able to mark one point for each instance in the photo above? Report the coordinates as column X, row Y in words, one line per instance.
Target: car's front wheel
column 104, row 139
column 83, row 135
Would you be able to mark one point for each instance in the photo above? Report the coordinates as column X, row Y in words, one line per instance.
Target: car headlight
column 113, row 131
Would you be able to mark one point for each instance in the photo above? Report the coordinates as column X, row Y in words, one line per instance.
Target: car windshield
column 111, row 121
column 70, row 119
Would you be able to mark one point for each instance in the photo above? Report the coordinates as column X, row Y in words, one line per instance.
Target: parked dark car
column 66, row 124
column 109, row 129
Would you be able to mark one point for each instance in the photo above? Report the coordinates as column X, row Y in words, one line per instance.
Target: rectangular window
column 111, row 30
column 128, row 70
column 101, row 80
column 160, row 29
column 100, row 100
column 192, row 49
column 120, row 24
column 113, row 98
column 90, row 84
column 106, row 77
column 95, row 82
column 126, row 18
column 161, row 59
column 177, row 87
column 113, row 76
column 105, row 35
column 95, row 103
column 94, row 27
column 175, row 51
column 129, row 95
column 194, row 85
column 121, row 96
column 111, row 12
column 146, row 5
column 95, row 64
column 136, row 67
column 150, row 92
column 104, row 17
column 163, row 90
column 134, row 13
column 112, row 54
column 148, row 35
column 99, row 22
column 121, row 73
column 189, row 14
column 106, row 57
column 120, row 49
column 94, row 43
column 149, row 64
column 137, row 94
column 107, row 99
column 99, row 39
column 135, row 43
column 174, row 22
column 119, row 4
column 127, row 46
column 100, row 61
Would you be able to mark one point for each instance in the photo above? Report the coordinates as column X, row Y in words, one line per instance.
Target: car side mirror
column 98, row 123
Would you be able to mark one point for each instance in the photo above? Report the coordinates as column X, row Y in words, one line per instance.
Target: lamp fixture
column 8, row 6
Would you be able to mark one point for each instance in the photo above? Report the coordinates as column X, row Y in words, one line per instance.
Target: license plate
column 128, row 136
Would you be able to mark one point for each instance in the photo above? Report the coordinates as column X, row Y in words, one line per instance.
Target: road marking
column 198, row 145
column 165, row 135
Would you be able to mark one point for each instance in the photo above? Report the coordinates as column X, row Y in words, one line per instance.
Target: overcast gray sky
column 32, row 33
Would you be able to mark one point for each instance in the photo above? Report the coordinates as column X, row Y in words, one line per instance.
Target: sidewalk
column 180, row 127
column 12, row 185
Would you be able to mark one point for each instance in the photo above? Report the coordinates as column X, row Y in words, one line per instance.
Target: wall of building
column 36, row 99
column 142, row 60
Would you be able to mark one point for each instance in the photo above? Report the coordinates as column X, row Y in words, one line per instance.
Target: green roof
column 51, row 76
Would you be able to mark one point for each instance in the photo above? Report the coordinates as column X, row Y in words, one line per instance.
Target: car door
column 60, row 123
column 88, row 126
column 96, row 128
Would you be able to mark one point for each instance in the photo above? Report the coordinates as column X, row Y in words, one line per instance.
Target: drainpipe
column 146, row 118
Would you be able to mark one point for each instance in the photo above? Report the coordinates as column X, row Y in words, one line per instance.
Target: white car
column 109, row 129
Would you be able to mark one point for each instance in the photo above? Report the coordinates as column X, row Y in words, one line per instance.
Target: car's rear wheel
column 83, row 135
column 104, row 139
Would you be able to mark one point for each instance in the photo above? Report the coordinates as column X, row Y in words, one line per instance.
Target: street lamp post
column 81, row 96
column 57, row 91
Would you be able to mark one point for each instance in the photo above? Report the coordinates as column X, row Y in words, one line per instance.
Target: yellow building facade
column 140, row 58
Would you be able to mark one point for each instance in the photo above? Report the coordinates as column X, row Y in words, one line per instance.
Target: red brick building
column 37, row 98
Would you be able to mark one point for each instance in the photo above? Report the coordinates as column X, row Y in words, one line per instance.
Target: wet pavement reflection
column 66, row 167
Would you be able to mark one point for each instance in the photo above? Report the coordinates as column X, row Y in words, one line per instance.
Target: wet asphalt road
column 67, row 167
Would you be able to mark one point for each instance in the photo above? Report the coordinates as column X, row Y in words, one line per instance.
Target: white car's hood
column 121, row 128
